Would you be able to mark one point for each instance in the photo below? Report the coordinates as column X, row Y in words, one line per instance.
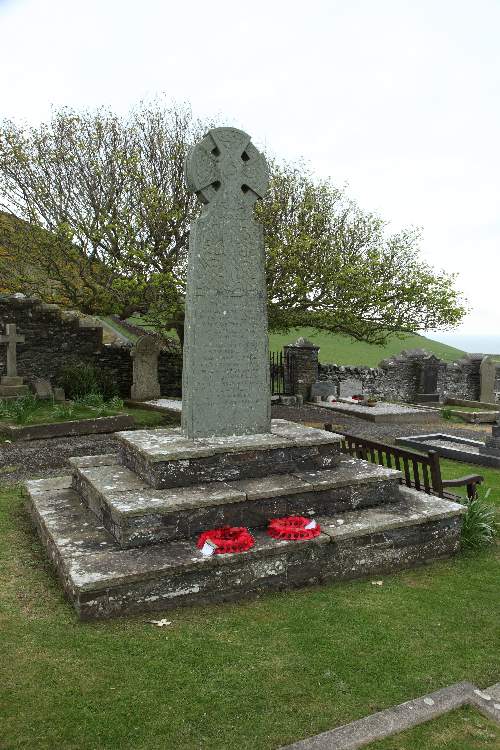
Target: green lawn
column 46, row 413
column 465, row 729
column 342, row 350
column 468, row 408
column 239, row 676
column 489, row 489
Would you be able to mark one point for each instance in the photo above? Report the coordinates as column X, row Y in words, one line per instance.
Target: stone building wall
column 56, row 337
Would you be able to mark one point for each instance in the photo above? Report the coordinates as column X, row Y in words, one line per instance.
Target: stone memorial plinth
column 122, row 530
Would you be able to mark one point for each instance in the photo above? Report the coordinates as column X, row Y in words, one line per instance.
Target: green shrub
column 21, row 409
column 90, row 399
column 116, row 402
column 80, row 379
column 64, row 411
column 479, row 527
column 446, row 413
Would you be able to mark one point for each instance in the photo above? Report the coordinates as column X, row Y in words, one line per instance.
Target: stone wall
column 399, row 378
column 56, row 337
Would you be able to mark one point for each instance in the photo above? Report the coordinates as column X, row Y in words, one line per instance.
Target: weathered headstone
column 487, row 372
column 225, row 387
column 351, row 387
column 43, row 388
column 145, row 383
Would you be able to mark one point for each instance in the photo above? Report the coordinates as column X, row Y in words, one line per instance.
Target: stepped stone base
column 101, row 580
column 137, row 515
column 125, row 541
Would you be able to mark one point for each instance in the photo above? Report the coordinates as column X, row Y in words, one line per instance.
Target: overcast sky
column 398, row 98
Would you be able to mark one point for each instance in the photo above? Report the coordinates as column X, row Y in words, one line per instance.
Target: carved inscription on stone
column 226, row 363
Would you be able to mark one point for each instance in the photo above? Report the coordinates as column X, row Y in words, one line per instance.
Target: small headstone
column 145, row 385
column 42, row 389
column 226, row 388
column 350, row 387
column 323, row 389
column 487, row 370
column 59, row 394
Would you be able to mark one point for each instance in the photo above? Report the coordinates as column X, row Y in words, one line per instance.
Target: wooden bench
column 421, row 471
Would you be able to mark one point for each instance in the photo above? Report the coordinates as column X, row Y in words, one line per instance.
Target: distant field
column 343, row 351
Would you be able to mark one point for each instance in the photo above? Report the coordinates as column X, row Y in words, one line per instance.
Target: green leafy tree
column 105, row 229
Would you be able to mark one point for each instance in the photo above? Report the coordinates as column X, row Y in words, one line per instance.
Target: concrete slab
column 450, row 446
column 349, row 471
column 382, row 412
column 94, row 426
column 390, row 721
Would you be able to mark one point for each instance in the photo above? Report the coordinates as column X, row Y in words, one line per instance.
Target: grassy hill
column 342, row 350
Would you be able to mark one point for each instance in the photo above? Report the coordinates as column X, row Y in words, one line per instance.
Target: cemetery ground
column 256, row 674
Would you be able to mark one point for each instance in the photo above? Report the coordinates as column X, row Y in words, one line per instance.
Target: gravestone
column 145, row 383
column 492, row 443
column 11, row 385
column 351, row 387
column 225, row 388
column 487, row 370
column 42, row 388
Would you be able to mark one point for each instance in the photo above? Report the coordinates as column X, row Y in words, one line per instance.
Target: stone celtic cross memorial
column 123, row 529
column 225, row 386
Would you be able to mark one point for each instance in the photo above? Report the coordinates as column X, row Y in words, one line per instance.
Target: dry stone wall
column 400, row 378
column 55, row 337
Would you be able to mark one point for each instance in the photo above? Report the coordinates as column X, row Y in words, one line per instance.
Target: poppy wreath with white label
column 293, row 528
column 227, row 539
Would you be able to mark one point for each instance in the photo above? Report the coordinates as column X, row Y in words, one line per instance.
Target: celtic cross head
column 225, row 167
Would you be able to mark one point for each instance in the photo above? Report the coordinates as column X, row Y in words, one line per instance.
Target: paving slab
column 451, row 446
column 69, row 428
column 349, row 470
column 105, row 459
column 381, row 412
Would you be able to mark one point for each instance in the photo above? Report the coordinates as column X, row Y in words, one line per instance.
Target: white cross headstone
column 11, row 338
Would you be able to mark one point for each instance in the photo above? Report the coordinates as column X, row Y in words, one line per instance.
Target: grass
column 469, row 408
column 240, row 676
column 47, row 413
column 464, row 729
column 343, row 350
column 119, row 329
column 490, row 488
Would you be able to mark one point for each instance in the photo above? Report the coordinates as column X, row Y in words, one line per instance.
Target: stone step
column 165, row 458
column 137, row 515
column 103, row 580
column 13, row 391
column 11, row 380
